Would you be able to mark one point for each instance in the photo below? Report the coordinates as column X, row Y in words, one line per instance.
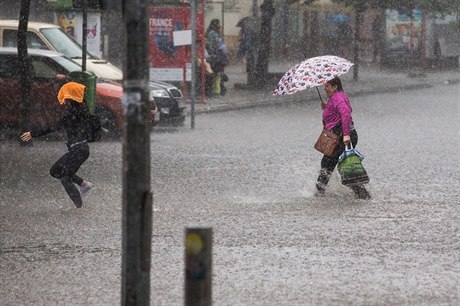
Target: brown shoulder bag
column 327, row 143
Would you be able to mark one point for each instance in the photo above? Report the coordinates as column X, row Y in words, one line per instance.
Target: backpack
column 94, row 128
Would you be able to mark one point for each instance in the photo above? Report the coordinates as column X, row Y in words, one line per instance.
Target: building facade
column 298, row 30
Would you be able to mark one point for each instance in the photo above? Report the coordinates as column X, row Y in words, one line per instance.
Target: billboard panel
column 168, row 60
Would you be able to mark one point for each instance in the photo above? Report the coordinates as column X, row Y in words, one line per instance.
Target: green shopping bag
column 351, row 169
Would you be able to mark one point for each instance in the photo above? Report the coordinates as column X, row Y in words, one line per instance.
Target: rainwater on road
column 250, row 175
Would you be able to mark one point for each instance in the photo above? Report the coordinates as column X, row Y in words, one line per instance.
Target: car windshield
column 63, row 43
column 71, row 66
column 67, row 63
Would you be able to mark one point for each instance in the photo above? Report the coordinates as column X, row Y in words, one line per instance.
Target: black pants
column 66, row 167
column 328, row 165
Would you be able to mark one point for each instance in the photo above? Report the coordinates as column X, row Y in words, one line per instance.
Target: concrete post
column 193, row 83
column 198, row 267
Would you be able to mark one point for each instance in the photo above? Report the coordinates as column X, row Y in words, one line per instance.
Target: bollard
column 198, row 266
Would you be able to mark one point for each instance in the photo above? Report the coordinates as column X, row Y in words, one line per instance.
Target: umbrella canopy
column 311, row 72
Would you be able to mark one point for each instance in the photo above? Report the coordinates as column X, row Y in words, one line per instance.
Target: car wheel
column 109, row 125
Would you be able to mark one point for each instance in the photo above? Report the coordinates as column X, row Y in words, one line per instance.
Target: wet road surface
column 250, row 175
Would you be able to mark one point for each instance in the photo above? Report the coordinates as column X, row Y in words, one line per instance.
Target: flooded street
column 250, row 175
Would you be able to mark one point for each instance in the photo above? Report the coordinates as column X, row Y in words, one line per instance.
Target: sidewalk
column 371, row 80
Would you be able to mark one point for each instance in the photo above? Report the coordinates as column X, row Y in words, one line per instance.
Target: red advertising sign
column 167, row 59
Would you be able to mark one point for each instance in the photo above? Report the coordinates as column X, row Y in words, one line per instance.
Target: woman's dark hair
column 336, row 81
column 214, row 25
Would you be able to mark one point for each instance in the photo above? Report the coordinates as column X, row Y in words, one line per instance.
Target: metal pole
column 137, row 197
column 84, row 30
column 267, row 11
column 358, row 21
column 193, row 89
column 25, row 68
column 410, row 62
column 255, row 9
column 202, row 47
column 198, row 267
column 285, row 25
column 423, row 52
column 319, row 94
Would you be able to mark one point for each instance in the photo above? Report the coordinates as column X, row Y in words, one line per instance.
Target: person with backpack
column 76, row 122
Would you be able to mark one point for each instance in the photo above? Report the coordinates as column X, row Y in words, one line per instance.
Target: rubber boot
column 361, row 192
column 321, row 183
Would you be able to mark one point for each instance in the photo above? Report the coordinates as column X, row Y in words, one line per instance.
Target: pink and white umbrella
column 311, row 72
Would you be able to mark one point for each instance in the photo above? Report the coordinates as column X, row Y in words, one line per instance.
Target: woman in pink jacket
column 337, row 118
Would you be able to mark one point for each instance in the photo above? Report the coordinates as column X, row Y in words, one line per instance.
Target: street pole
column 410, row 61
column 267, row 11
column 84, row 39
column 25, row 69
column 192, row 91
column 423, row 52
column 255, row 9
column 359, row 17
column 137, row 197
column 285, row 17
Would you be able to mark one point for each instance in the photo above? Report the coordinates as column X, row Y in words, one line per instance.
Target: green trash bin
column 88, row 79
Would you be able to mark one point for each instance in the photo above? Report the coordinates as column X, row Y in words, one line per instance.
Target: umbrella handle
column 319, row 95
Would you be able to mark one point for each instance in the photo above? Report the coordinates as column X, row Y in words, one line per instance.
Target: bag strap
column 351, row 147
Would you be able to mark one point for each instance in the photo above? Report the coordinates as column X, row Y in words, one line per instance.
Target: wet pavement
column 250, row 175
column 371, row 80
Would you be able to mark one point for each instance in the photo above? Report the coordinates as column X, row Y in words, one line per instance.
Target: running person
column 74, row 121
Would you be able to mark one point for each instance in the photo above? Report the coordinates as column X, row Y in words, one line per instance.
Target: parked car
column 165, row 97
column 170, row 103
column 50, row 70
column 47, row 36
column 51, row 37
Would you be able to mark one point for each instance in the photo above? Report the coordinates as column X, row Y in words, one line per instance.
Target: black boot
column 321, row 183
column 320, row 190
column 361, row 192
